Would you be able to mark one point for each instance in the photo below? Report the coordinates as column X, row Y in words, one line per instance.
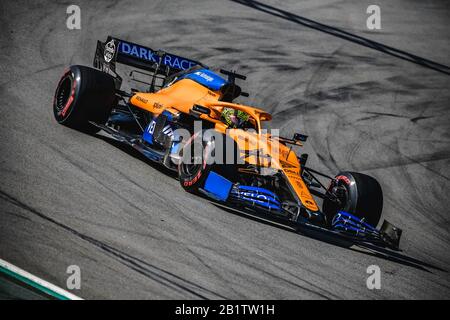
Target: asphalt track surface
column 68, row 198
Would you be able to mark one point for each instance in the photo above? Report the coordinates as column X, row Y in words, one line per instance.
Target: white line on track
column 36, row 282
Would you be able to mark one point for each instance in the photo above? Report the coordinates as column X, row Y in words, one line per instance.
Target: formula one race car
column 187, row 121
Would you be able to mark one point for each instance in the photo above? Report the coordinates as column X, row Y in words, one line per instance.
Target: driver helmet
column 234, row 118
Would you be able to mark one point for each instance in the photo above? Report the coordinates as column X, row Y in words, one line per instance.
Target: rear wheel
column 84, row 94
column 360, row 194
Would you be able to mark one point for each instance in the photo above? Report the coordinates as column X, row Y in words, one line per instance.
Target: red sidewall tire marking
column 71, row 98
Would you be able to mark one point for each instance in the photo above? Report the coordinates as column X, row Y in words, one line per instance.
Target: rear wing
column 162, row 65
column 115, row 50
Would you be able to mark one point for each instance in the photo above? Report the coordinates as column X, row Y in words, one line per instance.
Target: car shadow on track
column 136, row 154
column 363, row 248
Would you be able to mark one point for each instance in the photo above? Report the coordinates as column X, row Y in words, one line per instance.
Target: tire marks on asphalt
column 142, row 267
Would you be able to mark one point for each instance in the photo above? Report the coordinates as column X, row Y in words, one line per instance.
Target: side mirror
column 201, row 109
column 232, row 75
column 300, row 137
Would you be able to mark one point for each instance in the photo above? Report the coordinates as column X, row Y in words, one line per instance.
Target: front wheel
column 203, row 153
column 360, row 195
column 194, row 167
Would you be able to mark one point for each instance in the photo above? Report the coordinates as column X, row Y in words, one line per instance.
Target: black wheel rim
column 190, row 169
column 195, row 162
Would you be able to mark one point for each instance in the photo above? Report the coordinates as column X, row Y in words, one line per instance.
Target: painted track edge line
column 37, row 283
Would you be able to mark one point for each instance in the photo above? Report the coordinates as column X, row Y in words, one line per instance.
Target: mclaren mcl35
column 186, row 120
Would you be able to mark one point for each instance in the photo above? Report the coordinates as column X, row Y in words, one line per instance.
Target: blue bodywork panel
column 220, row 188
column 206, row 78
column 256, row 196
column 120, row 118
column 348, row 223
column 217, row 186
column 131, row 50
column 148, row 133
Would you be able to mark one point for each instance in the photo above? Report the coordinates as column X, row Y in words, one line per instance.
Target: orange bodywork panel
column 184, row 94
column 268, row 152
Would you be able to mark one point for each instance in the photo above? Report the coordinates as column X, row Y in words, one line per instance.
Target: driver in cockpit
column 235, row 119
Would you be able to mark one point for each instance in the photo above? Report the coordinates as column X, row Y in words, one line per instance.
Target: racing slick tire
column 363, row 197
column 192, row 172
column 84, row 94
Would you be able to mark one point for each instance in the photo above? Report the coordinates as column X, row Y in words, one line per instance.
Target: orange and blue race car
column 186, row 120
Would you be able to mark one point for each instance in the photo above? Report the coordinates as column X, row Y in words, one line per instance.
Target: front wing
column 247, row 199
